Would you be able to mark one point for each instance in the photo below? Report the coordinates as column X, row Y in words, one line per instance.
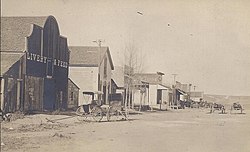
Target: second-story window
column 49, row 69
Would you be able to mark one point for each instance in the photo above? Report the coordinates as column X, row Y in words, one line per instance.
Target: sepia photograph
column 125, row 76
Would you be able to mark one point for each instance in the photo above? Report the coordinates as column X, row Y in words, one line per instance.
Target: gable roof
column 8, row 59
column 15, row 29
column 88, row 56
column 73, row 83
column 118, row 76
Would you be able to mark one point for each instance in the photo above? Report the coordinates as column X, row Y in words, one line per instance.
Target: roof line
column 73, row 82
column 88, row 46
column 26, row 16
column 83, row 65
column 146, row 73
column 14, row 52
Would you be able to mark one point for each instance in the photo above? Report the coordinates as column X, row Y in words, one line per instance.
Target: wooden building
column 117, row 77
column 73, row 95
column 196, row 96
column 90, row 68
column 36, row 78
column 156, row 94
column 180, row 95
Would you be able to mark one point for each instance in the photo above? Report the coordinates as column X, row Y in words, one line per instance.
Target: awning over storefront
column 181, row 92
column 162, row 87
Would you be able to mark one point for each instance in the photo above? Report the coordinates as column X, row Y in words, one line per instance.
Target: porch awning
column 91, row 92
column 161, row 87
column 181, row 92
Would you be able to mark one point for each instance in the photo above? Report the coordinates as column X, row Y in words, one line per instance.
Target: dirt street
column 188, row 130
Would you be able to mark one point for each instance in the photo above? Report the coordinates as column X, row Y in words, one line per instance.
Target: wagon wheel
column 84, row 117
column 97, row 114
column 126, row 114
column 112, row 114
column 80, row 111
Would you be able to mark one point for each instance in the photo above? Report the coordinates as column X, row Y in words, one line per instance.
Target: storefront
column 38, row 80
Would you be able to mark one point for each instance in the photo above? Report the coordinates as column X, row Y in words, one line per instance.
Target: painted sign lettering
column 43, row 59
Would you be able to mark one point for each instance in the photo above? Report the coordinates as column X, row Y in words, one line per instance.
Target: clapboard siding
column 33, row 93
column 10, row 87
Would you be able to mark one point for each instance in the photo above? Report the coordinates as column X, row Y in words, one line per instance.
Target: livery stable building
column 34, row 65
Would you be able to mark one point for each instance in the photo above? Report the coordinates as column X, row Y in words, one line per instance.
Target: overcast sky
column 205, row 42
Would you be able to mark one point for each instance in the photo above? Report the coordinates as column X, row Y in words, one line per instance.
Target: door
column 104, row 94
column 159, row 96
column 49, row 102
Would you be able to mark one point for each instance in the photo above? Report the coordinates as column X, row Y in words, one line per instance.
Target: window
column 71, row 96
column 49, row 69
column 105, row 67
column 99, row 83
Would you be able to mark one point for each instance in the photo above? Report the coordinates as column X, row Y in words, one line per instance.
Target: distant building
column 118, row 80
column 183, row 87
column 196, row 96
column 34, row 64
column 179, row 94
column 158, row 94
column 152, row 78
column 90, row 69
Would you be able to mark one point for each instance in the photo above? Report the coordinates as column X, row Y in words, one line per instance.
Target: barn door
column 49, row 99
column 33, row 94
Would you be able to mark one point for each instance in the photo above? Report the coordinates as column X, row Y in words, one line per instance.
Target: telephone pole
column 99, row 43
column 174, row 91
column 174, row 78
column 189, row 92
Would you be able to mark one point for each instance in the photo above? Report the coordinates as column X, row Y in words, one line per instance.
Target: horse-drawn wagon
column 217, row 107
column 97, row 110
column 236, row 107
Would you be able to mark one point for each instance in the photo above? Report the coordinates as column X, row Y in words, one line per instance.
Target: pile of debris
column 10, row 116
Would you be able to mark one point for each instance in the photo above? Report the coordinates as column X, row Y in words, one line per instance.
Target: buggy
column 116, row 108
column 97, row 110
column 218, row 107
column 236, row 106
